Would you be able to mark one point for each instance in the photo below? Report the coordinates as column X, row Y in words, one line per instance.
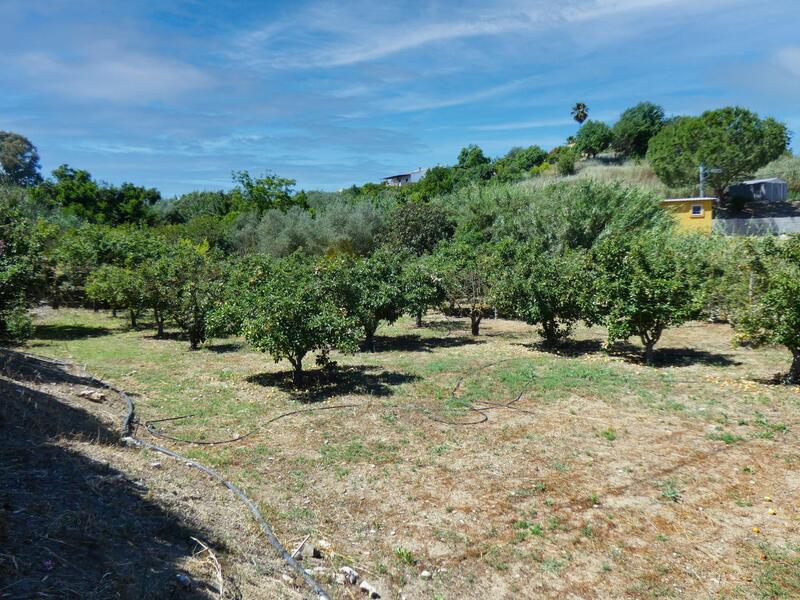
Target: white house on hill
column 405, row 178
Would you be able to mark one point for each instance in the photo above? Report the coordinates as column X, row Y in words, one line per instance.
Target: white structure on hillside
column 405, row 178
column 763, row 190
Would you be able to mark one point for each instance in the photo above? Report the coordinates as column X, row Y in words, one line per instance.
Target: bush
column 566, row 163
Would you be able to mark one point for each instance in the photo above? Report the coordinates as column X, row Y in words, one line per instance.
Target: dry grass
column 615, row 480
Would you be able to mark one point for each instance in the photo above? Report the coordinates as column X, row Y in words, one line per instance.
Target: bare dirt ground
column 604, row 479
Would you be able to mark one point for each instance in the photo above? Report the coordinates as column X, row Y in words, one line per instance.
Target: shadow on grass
column 75, row 526
column 662, row 357
column 321, row 384
column 69, row 332
column 673, row 357
column 448, row 326
column 224, row 348
column 415, row 343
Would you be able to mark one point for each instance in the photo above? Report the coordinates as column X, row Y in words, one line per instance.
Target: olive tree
column 645, row 283
column 593, row 138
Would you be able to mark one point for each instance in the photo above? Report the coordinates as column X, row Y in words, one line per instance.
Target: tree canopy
column 593, row 137
column 731, row 142
column 635, row 128
column 19, row 160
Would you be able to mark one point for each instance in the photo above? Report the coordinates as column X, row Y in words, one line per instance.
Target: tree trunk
column 794, row 371
column 475, row 322
column 194, row 340
column 648, row 351
column 114, row 312
column 159, row 323
column 369, row 339
column 297, row 372
column 419, row 319
column 133, row 318
column 95, row 307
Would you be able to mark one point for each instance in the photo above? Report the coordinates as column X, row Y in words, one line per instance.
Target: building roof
column 414, row 172
column 765, row 180
column 689, row 199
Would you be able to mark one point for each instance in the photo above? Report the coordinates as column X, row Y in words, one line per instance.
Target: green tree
column 473, row 165
column 580, row 112
column 465, row 269
column 21, row 265
column 766, row 309
column 367, row 289
column 418, row 227
column 77, row 194
column 518, row 162
column 593, row 138
column 437, row 181
column 194, row 279
column 542, row 287
column 119, row 288
column 291, row 313
column 265, row 192
column 422, row 286
column 635, row 128
column 644, row 283
column 733, row 141
column 19, row 160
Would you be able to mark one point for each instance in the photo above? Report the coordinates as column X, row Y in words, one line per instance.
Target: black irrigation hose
column 149, row 425
column 128, row 437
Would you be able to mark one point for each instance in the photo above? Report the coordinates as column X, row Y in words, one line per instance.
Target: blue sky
column 178, row 94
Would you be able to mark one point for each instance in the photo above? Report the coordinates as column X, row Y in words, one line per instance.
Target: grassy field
column 605, row 478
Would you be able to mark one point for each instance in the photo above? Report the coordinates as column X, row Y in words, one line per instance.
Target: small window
column 697, row 210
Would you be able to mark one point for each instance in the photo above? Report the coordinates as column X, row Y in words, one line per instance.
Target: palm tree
column 580, row 112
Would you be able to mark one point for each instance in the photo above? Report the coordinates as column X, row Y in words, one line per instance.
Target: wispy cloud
column 111, row 74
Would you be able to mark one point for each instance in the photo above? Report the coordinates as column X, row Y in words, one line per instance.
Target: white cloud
column 788, row 59
column 110, row 74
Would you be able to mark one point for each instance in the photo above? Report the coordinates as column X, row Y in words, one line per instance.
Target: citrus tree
column 422, row 286
column 767, row 310
column 118, row 288
column 291, row 313
column 368, row 290
column 644, row 283
column 542, row 287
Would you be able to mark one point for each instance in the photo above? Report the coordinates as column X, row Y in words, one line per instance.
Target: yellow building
column 693, row 214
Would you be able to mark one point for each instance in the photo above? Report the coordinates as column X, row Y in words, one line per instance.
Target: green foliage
column 565, row 165
column 733, row 140
column 787, row 167
column 337, row 227
column 76, row 193
column 636, row 126
column 541, row 287
column 645, row 283
column 21, row 262
column 19, row 160
column 264, row 193
column 192, row 280
column 118, row 288
column 80, row 251
column 437, row 180
column 518, row 162
column 291, row 313
column 473, row 165
column 418, row 227
column 767, row 307
column 368, row 289
column 421, row 285
column 464, row 265
column 193, row 205
column 593, row 137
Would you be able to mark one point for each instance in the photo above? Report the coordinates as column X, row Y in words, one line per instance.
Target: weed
column 669, row 490
column 405, row 556
column 725, row 436
column 609, row 434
